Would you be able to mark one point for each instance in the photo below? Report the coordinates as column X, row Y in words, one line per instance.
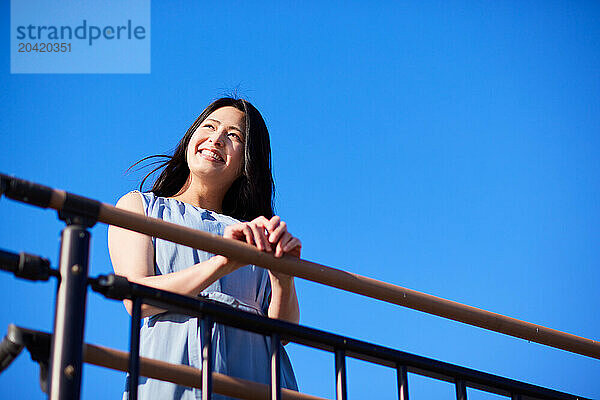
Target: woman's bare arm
column 284, row 300
column 272, row 236
column 132, row 256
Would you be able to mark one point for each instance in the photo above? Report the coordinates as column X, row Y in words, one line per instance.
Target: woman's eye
column 209, row 126
column 235, row 135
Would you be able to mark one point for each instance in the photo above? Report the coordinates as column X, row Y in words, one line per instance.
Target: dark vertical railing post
column 461, row 390
column 206, row 325
column 275, row 367
column 402, row 382
column 134, row 348
column 340, row 374
column 69, row 317
column 515, row 396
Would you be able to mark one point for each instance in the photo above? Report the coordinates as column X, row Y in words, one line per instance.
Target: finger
column 259, row 237
column 273, row 223
column 276, row 235
column 232, row 232
column 286, row 237
column 247, row 233
column 292, row 244
column 260, row 221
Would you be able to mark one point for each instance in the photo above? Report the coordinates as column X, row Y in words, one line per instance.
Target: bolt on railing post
column 69, row 318
column 340, row 375
column 275, row 367
column 134, row 347
column 402, row 373
column 206, row 325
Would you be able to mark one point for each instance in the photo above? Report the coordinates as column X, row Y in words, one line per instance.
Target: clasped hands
column 269, row 235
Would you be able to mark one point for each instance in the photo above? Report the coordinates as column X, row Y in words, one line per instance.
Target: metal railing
column 67, row 348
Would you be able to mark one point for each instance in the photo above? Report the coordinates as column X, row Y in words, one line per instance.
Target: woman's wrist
column 223, row 263
column 281, row 280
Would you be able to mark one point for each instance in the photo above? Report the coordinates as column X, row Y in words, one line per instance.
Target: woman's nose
column 217, row 138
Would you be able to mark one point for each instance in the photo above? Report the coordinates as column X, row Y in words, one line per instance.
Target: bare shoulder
column 131, row 253
column 131, row 201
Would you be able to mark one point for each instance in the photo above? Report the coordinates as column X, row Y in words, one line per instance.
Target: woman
column 218, row 176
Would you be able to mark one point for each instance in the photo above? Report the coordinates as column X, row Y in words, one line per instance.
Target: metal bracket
column 38, row 345
column 27, row 266
column 112, row 286
column 79, row 210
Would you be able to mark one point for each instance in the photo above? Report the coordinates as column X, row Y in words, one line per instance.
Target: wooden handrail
column 340, row 279
column 185, row 375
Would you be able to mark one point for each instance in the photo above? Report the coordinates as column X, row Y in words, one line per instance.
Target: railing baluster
column 69, row 318
column 402, row 382
column 134, row 348
column 461, row 390
column 515, row 396
column 340, row 375
column 275, row 367
column 206, row 329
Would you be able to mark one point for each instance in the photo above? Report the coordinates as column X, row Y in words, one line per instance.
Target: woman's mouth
column 211, row 155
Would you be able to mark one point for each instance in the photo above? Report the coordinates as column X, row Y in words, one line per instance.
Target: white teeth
column 211, row 154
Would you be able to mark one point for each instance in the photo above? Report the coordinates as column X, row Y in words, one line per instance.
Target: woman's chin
column 217, row 176
column 205, row 167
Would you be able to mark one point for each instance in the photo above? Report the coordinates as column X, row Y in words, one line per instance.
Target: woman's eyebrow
column 214, row 120
column 228, row 127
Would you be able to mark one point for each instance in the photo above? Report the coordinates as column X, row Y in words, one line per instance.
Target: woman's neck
column 200, row 195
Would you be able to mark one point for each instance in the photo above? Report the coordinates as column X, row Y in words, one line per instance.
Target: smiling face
column 215, row 153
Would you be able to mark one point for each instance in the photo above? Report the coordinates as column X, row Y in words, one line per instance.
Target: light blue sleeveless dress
column 175, row 338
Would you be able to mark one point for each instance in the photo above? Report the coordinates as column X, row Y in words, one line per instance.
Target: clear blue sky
column 448, row 147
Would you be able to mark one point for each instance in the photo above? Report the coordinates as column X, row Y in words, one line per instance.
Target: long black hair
column 251, row 194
